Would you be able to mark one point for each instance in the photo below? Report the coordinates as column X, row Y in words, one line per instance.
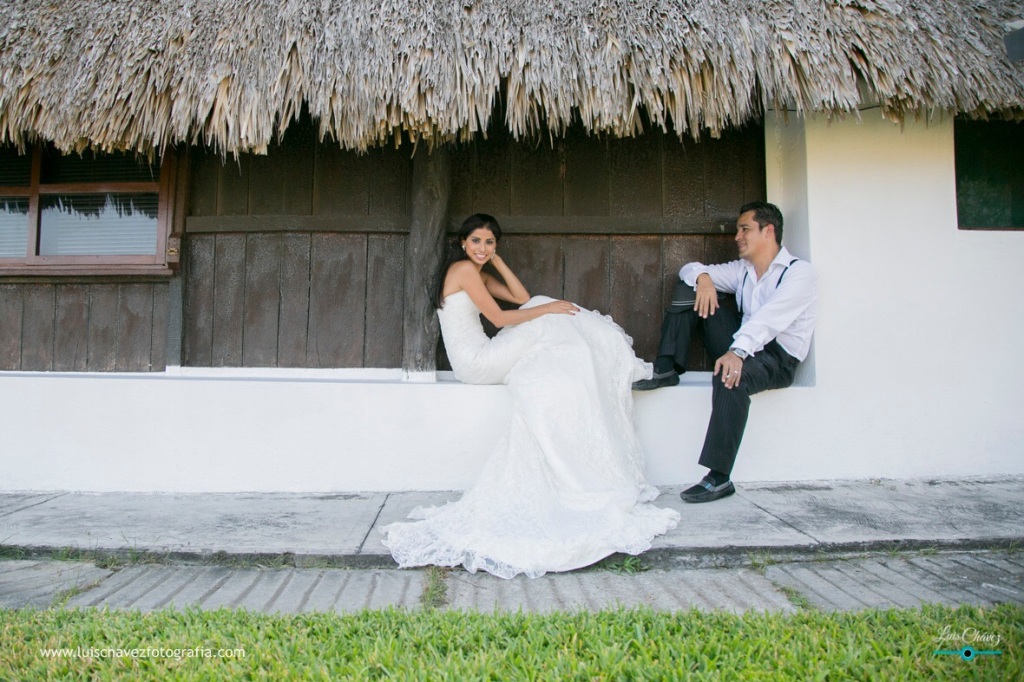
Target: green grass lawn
column 453, row 645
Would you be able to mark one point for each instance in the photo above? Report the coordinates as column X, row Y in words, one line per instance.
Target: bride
column 564, row 485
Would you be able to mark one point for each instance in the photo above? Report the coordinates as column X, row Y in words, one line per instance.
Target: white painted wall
column 917, row 349
column 915, row 367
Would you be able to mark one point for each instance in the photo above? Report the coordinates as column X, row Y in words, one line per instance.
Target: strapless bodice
column 476, row 358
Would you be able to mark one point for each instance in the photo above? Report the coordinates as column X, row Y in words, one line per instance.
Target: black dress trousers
column 771, row 368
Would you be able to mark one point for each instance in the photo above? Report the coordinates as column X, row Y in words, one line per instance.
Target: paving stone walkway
column 981, row 578
column 40, row 583
column 873, row 581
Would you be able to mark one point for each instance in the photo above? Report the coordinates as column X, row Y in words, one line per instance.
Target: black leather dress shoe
column 707, row 491
column 657, row 381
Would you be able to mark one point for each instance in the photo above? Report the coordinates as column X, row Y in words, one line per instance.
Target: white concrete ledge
column 231, row 430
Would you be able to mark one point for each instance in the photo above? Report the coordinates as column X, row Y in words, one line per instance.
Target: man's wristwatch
column 742, row 354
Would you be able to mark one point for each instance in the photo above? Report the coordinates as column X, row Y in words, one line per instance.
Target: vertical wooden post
column 180, row 192
column 431, row 189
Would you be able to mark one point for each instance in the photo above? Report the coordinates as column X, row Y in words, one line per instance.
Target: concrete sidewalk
column 873, row 543
column 342, row 529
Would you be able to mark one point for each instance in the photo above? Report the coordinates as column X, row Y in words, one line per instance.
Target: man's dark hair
column 765, row 214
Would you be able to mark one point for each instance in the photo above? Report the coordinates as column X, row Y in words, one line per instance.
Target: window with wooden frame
column 84, row 214
column 989, row 174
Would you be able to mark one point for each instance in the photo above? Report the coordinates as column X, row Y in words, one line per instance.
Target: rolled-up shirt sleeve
column 725, row 276
column 797, row 292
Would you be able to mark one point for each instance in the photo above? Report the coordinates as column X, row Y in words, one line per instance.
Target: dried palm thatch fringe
column 140, row 75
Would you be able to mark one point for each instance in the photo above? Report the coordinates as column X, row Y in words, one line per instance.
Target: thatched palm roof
column 138, row 74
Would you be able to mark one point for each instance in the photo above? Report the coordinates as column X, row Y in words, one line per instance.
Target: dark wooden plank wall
column 270, row 291
column 294, row 300
column 83, row 327
column 294, row 259
column 653, row 184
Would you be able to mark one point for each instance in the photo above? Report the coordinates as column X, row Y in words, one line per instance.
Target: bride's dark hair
column 454, row 252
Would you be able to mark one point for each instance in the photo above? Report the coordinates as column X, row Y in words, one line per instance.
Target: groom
column 757, row 350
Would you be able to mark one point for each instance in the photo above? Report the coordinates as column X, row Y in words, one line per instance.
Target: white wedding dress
column 564, row 486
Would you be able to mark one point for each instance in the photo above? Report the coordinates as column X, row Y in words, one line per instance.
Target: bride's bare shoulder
column 463, row 268
column 459, row 275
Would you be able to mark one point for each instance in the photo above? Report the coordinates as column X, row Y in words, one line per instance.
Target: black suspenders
column 777, row 283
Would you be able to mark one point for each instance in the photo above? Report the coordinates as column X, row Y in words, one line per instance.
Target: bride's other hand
column 560, row 308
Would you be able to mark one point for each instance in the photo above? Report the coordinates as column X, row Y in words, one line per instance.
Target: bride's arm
column 463, row 275
column 512, row 290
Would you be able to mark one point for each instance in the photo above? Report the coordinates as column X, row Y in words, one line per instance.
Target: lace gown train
column 564, row 486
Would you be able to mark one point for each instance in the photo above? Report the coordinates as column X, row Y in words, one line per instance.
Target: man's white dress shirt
column 784, row 310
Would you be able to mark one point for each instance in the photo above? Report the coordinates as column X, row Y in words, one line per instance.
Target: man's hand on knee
column 707, row 296
column 730, row 366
